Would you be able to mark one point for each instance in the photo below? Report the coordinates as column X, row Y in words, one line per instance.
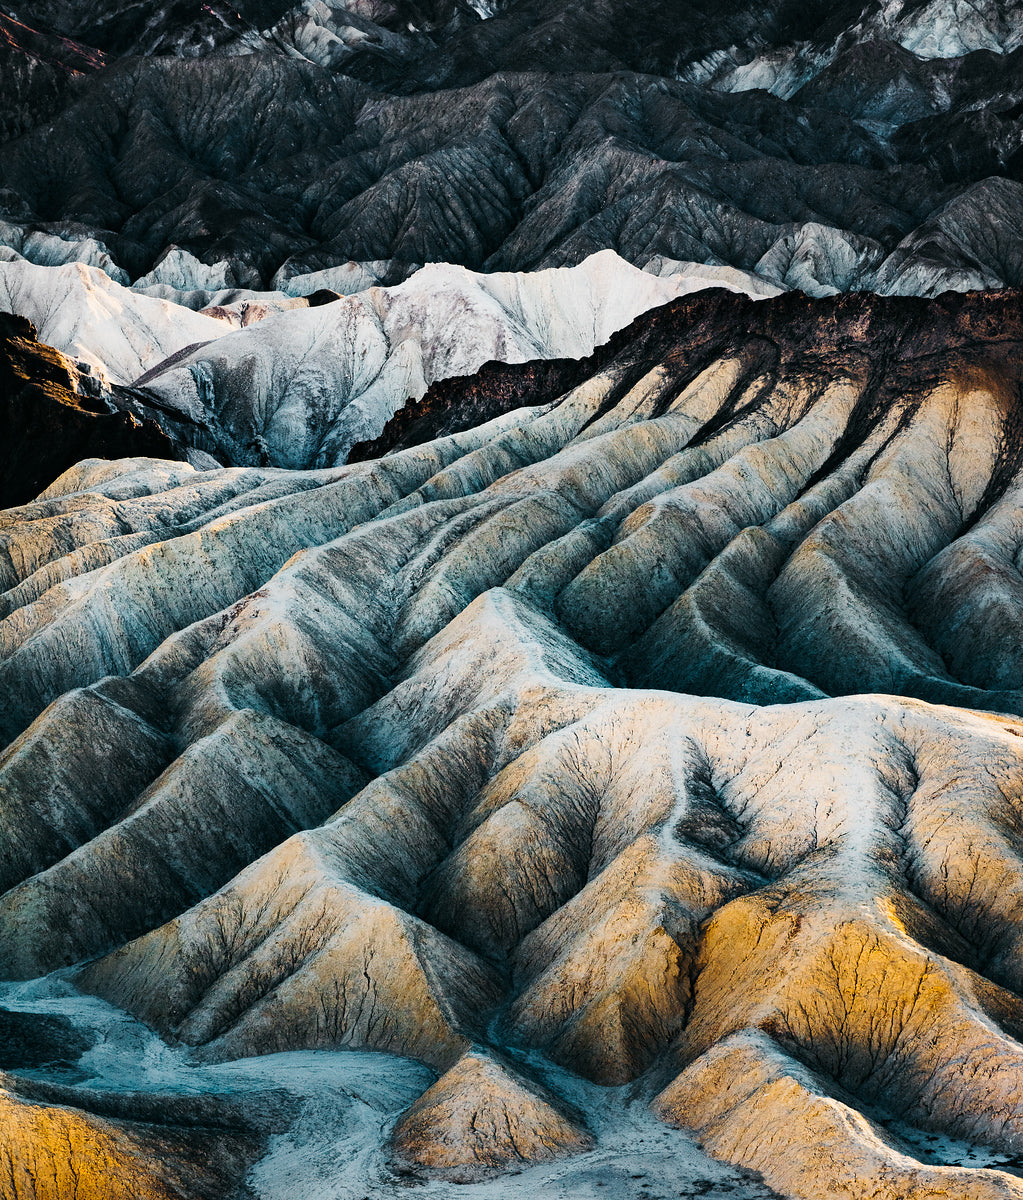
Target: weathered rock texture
column 830, row 148
column 299, row 388
column 52, row 415
column 666, row 730
column 267, row 379
column 480, row 1118
column 51, row 1151
column 38, row 70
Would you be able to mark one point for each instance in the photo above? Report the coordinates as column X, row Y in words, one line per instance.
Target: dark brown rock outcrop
column 455, row 404
column 900, row 343
column 49, row 420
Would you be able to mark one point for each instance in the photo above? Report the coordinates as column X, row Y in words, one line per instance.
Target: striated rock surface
column 300, row 388
column 38, row 70
column 729, row 1098
column 51, row 1151
column 480, row 1118
column 477, row 729
column 263, row 378
column 661, row 736
column 54, row 249
column 82, row 312
column 815, row 143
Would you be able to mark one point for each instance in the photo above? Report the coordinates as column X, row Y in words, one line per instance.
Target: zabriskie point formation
column 511, row 600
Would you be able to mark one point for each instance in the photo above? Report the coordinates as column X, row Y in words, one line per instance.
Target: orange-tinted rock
column 483, row 1117
column 47, row 424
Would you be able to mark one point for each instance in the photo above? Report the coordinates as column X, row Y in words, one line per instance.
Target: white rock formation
column 693, row 277
column 345, row 278
column 53, row 250
column 821, row 261
column 83, row 313
column 298, row 386
column 949, row 28
column 179, row 269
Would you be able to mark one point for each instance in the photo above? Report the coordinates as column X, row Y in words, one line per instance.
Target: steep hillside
column 545, row 753
column 859, row 147
column 243, row 378
column 511, row 672
column 52, row 412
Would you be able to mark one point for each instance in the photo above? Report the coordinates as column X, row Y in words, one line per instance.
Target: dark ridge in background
column 553, row 129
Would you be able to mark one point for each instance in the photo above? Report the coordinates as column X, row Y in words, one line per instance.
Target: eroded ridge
column 343, row 759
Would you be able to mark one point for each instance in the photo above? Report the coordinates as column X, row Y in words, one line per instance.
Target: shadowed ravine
column 663, row 732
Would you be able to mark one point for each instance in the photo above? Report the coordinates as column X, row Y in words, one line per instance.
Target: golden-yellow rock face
column 56, row 1152
column 480, row 1118
column 664, row 738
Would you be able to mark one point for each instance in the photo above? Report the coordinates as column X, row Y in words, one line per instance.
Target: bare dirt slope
column 663, row 733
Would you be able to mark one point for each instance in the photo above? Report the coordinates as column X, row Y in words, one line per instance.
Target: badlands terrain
column 268, row 378
column 641, row 766
column 511, row 590
column 832, row 147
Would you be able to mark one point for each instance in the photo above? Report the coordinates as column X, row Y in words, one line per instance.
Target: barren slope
column 547, row 749
column 541, row 163
column 245, row 378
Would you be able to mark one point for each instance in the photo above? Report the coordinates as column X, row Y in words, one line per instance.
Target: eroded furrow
column 547, row 742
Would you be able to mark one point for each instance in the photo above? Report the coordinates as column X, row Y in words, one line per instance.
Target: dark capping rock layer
column 465, row 401
column 46, row 425
column 903, row 341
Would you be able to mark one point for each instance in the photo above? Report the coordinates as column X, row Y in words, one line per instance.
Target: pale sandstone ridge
column 629, row 879
column 83, row 313
column 264, row 378
column 407, row 757
column 731, row 1097
column 480, row 1118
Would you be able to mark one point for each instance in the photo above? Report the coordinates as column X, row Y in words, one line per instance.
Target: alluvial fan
column 608, row 742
